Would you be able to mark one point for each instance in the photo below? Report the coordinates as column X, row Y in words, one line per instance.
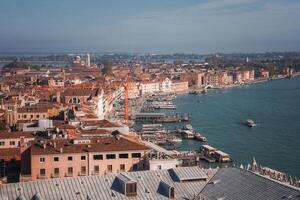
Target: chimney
column 44, row 146
column 54, row 144
column 60, row 149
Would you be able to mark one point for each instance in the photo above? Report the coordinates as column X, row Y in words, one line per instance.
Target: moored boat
column 250, row 123
column 200, row 137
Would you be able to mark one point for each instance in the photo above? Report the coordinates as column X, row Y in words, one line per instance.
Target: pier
column 161, row 117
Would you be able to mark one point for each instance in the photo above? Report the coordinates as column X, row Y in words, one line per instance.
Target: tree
column 17, row 64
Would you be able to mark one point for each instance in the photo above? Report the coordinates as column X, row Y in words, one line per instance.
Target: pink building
column 14, row 139
column 86, row 156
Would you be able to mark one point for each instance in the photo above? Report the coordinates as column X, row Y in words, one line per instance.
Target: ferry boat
column 250, row 123
column 200, row 137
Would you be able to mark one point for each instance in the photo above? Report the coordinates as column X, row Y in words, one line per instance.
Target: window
column 24, row 116
column 31, row 116
column 56, row 159
column 2, row 143
column 42, row 159
column 42, row 172
column 136, row 155
column 172, row 193
column 83, row 170
column 96, row 169
column 83, row 158
column 12, row 143
column 37, row 116
column 70, row 158
column 98, row 157
column 56, row 171
column 109, row 168
column 122, row 167
column 123, row 155
column 131, row 189
column 70, row 171
column 110, row 156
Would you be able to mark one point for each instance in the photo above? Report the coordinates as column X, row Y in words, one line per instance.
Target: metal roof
column 225, row 183
column 105, row 186
column 189, row 173
column 236, row 184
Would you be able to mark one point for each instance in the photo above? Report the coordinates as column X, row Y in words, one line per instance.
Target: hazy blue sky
column 167, row 26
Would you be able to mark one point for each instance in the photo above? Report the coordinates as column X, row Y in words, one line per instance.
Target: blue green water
column 274, row 106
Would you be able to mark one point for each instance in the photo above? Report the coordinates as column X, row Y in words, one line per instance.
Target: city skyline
column 150, row 27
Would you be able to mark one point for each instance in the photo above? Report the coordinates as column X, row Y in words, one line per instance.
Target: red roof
column 98, row 144
column 18, row 134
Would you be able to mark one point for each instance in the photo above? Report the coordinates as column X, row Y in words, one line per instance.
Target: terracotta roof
column 78, row 92
column 98, row 144
column 95, row 132
column 10, row 153
column 32, row 109
column 101, row 123
column 18, row 134
column 66, row 126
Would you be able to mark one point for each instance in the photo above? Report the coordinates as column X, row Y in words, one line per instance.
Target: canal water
column 274, row 106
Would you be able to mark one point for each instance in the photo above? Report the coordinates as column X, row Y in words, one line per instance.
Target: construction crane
column 126, row 104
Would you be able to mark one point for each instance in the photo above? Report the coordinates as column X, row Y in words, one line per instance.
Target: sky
column 149, row 26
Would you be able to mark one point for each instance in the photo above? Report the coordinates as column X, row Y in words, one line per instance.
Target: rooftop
column 225, row 183
column 96, row 144
column 18, row 134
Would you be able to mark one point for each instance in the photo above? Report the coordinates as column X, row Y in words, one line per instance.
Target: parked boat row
column 157, row 134
column 162, row 105
column 211, row 154
column 188, row 133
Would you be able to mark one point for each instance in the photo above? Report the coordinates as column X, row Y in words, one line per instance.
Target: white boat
column 188, row 127
column 188, row 134
column 174, row 140
column 250, row 123
column 200, row 137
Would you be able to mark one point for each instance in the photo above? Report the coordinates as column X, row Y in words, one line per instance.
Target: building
column 88, row 60
column 13, row 146
column 264, row 73
column 199, row 79
column 189, row 183
column 86, row 156
column 148, row 87
column 180, row 86
column 212, row 79
column 166, row 85
column 14, row 139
